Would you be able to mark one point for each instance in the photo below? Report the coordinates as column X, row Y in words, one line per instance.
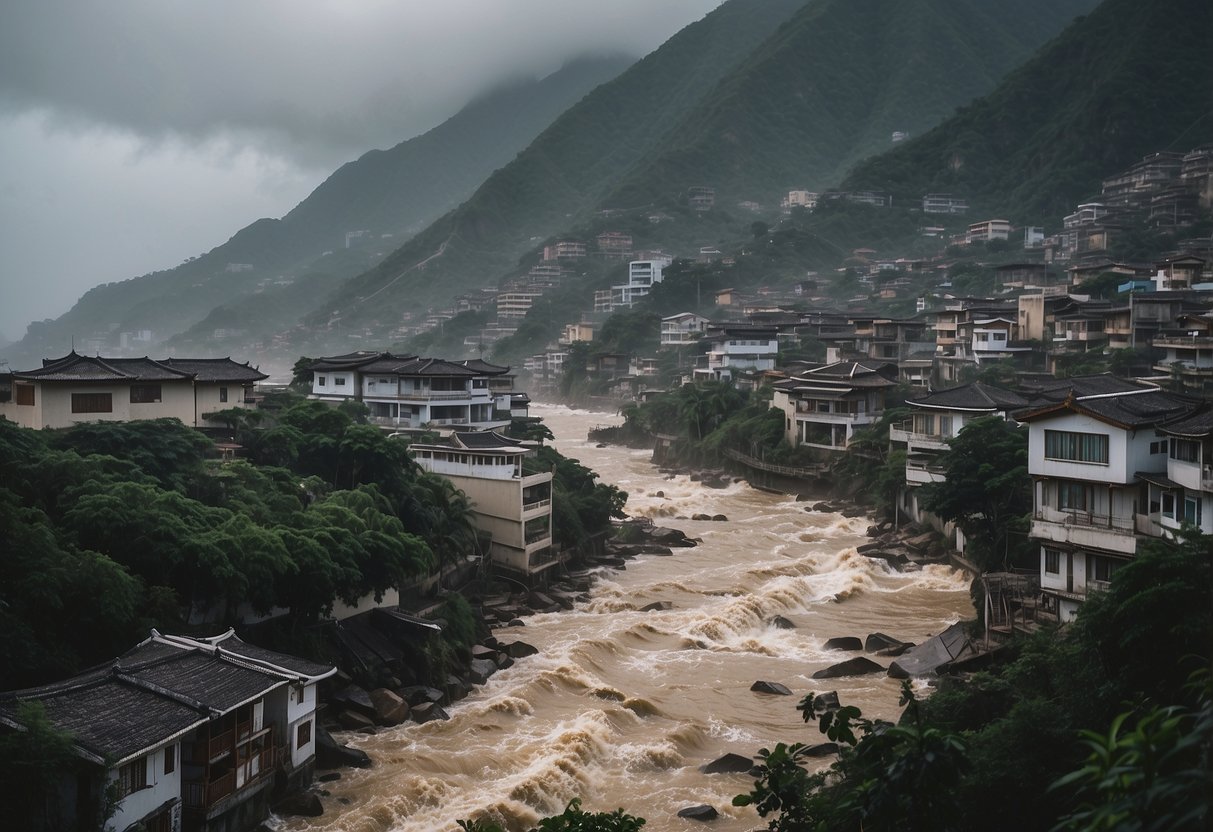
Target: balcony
column 904, row 432
column 1112, row 533
column 424, row 395
column 923, row 471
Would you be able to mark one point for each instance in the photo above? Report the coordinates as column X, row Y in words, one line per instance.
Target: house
column 510, row 502
column 935, row 418
column 581, row 331
column 944, row 204
column 408, row 392
column 1185, row 494
column 739, row 348
column 80, row 388
column 192, row 732
column 824, row 406
column 1189, row 357
column 987, row 230
column 642, row 276
column 683, row 329
column 1093, row 445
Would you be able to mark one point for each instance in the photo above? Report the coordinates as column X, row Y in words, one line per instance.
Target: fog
column 138, row 133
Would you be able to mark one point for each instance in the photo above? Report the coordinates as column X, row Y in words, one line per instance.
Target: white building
column 1091, row 456
column 79, row 388
column 740, row 349
column 824, row 406
column 511, row 504
column 682, row 330
column 404, row 392
column 987, row 230
column 643, row 275
column 192, row 732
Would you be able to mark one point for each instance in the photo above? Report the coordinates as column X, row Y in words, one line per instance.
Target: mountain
column 751, row 110
column 1129, row 79
column 834, row 84
column 387, row 194
column 564, row 173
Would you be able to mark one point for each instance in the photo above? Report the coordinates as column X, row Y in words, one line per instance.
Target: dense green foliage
column 572, row 819
column 986, row 490
column 1092, row 102
column 581, row 507
column 114, row 527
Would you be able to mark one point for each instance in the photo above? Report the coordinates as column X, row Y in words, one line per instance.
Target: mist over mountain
column 748, row 110
column 377, row 200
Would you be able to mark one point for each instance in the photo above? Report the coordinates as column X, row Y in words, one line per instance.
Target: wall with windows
column 146, row 784
column 342, row 384
column 1067, row 457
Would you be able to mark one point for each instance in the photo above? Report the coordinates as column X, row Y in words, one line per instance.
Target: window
column 339, row 381
column 170, row 759
column 1074, row 496
column 1076, row 447
column 145, row 393
column 299, row 694
column 25, row 394
column 132, row 777
column 92, row 403
column 1159, row 447
column 1168, row 504
column 1192, row 510
column 321, row 381
column 1102, row 569
column 303, row 734
column 1052, row 561
column 222, row 394
column 1185, row 450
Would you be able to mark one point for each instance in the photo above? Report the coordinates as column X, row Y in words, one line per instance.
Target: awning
column 1161, row 480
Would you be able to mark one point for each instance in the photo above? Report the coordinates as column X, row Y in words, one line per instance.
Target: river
column 621, row 707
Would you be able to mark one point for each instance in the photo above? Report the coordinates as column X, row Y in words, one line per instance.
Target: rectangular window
column 1073, row 446
column 303, row 735
column 1168, row 504
column 339, row 381
column 170, row 759
column 25, row 394
column 1185, row 450
column 299, row 694
column 321, row 381
column 132, row 777
column 1074, row 496
column 145, row 393
column 92, row 403
column 1192, row 510
column 223, row 394
column 1102, row 569
column 1052, row 561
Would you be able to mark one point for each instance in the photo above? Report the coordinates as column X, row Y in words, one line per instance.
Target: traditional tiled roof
column 1196, row 426
column 215, row 369
column 355, row 360
column 974, row 396
column 484, row 367
column 74, row 367
column 1058, row 389
column 417, row 367
column 157, row 691
column 1129, row 411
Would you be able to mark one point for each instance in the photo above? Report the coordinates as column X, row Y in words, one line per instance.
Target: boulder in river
column 332, row 754
column 781, row 623
column 390, row 708
column 770, row 687
column 702, row 812
column 300, row 804
column 480, row 670
column 354, row 697
column 728, row 764
column 822, row 749
column 879, row 641
column 428, row 712
column 844, row 643
column 352, row 720
column 933, row 654
column 858, row 666
column 657, row 606
column 519, row 649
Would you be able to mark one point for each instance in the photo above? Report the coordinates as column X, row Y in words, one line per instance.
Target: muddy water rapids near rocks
column 621, row 707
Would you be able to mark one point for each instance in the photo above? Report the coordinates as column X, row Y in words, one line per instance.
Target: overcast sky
column 137, row 133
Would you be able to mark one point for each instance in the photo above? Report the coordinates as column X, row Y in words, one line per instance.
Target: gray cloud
column 318, row 81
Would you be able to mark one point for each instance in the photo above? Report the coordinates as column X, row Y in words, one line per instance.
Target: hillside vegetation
column 390, row 192
column 1128, row 79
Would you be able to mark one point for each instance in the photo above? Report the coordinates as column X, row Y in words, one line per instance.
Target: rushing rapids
column 621, row 707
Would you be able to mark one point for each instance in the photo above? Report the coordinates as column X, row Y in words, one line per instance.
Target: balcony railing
column 537, row 504
column 219, row 744
column 425, row 395
column 1120, row 524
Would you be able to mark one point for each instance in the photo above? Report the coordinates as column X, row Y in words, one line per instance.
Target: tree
column 987, row 491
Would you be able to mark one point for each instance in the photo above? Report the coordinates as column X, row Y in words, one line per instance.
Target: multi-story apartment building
column 514, row 304
column 510, row 503
column 1188, row 358
column 987, row 230
column 643, row 275
column 944, row 204
column 80, row 388
column 408, row 392
column 824, row 406
column 683, row 330
column 739, row 349
column 1093, row 448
